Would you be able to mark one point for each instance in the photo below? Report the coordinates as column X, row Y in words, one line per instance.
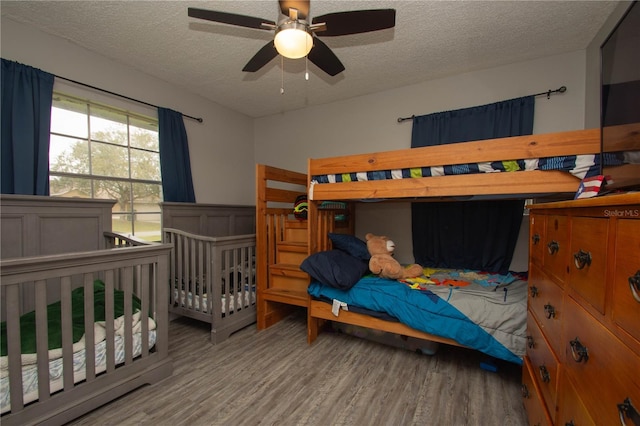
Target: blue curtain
column 478, row 235
column 27, row 95
column 175, row 165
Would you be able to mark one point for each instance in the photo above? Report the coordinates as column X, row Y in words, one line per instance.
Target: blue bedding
column 489, row 318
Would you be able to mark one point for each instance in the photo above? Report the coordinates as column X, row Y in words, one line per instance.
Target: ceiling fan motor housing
column 293, row 39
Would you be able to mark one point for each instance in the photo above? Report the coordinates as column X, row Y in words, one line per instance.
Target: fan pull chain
column 306, row 62
column 281, row 75
column 306, row 68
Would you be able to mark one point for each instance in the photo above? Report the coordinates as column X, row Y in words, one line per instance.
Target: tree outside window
column 102, row 152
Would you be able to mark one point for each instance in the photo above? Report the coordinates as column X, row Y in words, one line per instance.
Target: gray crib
column 212, row 264
column 213, row 280
column 61, row 276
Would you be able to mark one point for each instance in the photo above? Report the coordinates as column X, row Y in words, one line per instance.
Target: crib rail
column 116, row 240
column 32, row 283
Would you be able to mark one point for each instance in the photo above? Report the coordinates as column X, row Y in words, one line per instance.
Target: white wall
column 369, row 123
column 220, row 147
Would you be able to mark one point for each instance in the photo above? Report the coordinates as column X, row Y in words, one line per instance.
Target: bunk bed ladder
column 281, row 245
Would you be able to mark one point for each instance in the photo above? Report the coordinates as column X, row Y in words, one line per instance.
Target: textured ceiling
column 432, row 39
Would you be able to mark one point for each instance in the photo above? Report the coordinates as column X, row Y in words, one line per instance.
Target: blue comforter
column 489, row 319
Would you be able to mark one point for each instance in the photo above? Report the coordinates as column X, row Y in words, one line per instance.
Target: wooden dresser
column 583, row 334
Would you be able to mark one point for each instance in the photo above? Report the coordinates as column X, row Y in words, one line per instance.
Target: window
column 101, row 152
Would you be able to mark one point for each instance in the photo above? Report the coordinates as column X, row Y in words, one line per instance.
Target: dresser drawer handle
column 550, row 311
column 581, row 259
column 525, row 391
column 535, row 239
column 579, row 352
column 534, row 291
column 634, row 284
column 626, row 408
column 553, row 247
column 570, row 423
column 530, row 342
column 544, row 374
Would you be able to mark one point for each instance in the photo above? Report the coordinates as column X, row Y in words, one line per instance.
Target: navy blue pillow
column 335, row 268
column 350, row 244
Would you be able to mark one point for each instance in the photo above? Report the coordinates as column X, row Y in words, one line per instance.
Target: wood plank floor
column 273, row 377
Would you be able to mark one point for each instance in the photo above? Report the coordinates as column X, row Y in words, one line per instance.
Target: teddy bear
column 382, row 262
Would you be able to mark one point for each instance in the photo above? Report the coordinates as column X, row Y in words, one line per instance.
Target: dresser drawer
column 571, row 409
column 545, row 302
column 588, row 263
column 556, row 247
column 626, row 304
column 536, row 242
column 544, row 365
column 537, row 413
column 608, row 374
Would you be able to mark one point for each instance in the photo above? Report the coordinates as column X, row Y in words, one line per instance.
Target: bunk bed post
column 313, row 324
column 312, row 223
column 261, row 244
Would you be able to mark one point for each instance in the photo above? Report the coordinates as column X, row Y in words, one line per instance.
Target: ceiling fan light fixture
column 293, row 40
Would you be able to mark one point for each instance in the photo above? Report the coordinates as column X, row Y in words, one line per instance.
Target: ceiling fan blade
column 262, row 58
column 301, row 5
column 229, row 18
column 324, row 58
column 356, row 21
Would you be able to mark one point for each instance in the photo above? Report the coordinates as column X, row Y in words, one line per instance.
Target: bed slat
column 13, row 347
column 109, row 313
column 89, row 332
column 42, row 341
column 128, row 314
column 67, row 333
column 143, row 294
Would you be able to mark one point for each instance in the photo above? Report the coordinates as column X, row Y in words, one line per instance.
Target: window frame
column 131, row 120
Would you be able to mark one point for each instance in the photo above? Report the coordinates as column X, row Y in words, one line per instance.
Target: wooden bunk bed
column 344, row 185
column 525, row 184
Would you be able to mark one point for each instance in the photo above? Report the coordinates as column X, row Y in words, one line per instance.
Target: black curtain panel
column 479, row 235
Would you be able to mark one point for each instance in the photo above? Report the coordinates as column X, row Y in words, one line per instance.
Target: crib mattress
column 30, row 370
column 188, row 301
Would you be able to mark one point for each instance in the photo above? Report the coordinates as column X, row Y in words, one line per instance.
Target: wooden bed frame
column 530, row 184
column 516, row 184
column 541, row 185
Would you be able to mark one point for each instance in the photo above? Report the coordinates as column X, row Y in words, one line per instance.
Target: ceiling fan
column 295, row 37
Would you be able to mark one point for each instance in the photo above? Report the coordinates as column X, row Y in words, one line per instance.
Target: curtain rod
column 199, row 120
column 561, row 89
